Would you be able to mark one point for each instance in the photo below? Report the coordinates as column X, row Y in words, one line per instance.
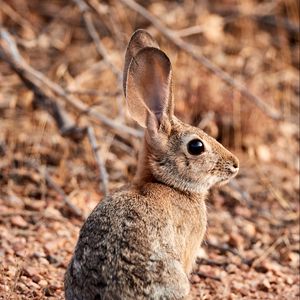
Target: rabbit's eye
column 195, row 147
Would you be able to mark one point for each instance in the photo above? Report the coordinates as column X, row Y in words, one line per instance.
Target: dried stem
column 267, row 252
column 99, row 160
column 211, row 262
column 75, row 210
column 204, row 275
column 64, row 120
column 193, row 51
column 10, row 53
column 43, row 171
column 88, row 20
column 225, row 248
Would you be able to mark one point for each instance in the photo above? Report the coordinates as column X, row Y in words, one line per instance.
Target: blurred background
column 66, row 138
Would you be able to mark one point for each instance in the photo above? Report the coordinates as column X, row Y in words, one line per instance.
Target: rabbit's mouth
column 225, row 181
column 223, row 177
column 231, row 172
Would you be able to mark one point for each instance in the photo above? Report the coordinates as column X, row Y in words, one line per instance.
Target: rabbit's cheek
column 223, row 182
column 212, row 180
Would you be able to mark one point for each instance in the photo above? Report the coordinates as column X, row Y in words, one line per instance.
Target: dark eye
column 195, row 147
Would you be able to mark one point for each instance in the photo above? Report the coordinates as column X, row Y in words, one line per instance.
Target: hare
column 141, row 242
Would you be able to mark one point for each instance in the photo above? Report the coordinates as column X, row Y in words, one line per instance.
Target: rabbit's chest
column 190, row 233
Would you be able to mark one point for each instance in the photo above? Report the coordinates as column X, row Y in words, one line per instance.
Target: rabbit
column 142, row 240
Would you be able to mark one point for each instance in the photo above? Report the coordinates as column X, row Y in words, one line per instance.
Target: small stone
column 32, row 272
column 43, row 283
column 244, row 291
column 49, row 291
column 261, row 268
column 21, row 287
column 195, row 278
column 235, row 240
column 231, row 268
column 51, row 246
column 33, row 285
column 43, row 261
column 14, row 201
column 264, row 285
column 263, row 153
column 289, row 280
column 294, row 259
column 34, row 205
column 236, row 286
column 19, row 221
column 29, row 271
column 22, row 253
column 249, row 229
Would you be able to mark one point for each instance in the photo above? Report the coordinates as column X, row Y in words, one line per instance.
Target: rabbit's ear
column 139, row 40
column 149, row 88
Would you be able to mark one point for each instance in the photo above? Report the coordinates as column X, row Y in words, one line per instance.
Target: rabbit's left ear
column 149, row 89
column 139, row 40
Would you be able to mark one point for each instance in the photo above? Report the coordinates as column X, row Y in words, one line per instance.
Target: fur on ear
column 139, row 40
column 149, row 88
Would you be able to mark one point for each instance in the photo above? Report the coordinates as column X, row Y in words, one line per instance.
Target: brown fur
column 141, row 242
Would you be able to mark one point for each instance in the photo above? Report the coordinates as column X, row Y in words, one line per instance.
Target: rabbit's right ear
column 139, row 40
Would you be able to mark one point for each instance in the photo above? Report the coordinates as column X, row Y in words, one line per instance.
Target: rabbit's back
column 128, row 248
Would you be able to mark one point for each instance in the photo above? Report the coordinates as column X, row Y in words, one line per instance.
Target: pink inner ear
column 139, row 40
column 153, row 81
column 149, row 82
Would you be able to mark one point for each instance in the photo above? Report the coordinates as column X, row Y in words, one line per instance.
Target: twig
column 193, row 51
column 124, row 147
column 190, row 31
column 9, row 53
column 226, row 248
column 223, row 248
column 210, row 262
column 99, row 160
column 283, row 202
column 43, row 171
column 267, row 252
column 204, row 275
column 88, row 20
column 26, row 213
column 91, row 92
column 17, row 276
column 262, row 13
column 16, row 17
column 64, row 121
column 75, row 210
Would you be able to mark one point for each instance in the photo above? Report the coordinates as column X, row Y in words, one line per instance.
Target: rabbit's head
column 175, row 153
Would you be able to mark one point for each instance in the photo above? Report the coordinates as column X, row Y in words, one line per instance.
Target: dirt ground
column 50, row 179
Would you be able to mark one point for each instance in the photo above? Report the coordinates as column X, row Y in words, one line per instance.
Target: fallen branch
column 26, row 213
column 204, row 275
column 267, row 252
column 64, row 121
column 75, row 210
column 88, row 20
column 210, row 262
column 43, row 171
column 10, row 53
column 193, row 51
column 99, row 160
column 225, row 248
